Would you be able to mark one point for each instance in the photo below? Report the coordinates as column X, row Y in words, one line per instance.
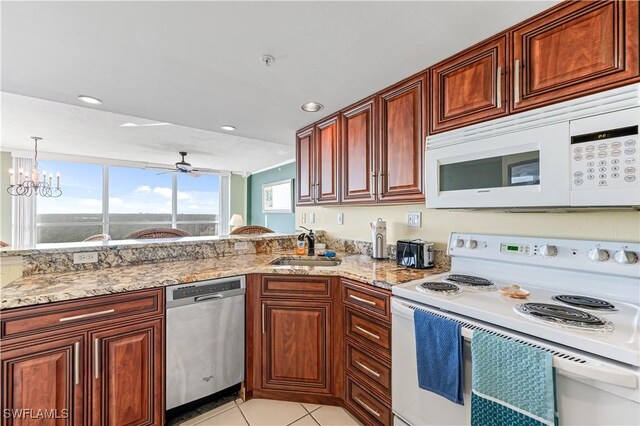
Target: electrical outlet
column 303, row 218
column 85, row 257
column 242, row 245
column 340, row 218
column 312, row 218
column 414, row 219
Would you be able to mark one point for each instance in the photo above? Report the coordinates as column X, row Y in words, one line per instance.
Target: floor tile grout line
column 308, row 414
column 242, row 414
column 212, row 416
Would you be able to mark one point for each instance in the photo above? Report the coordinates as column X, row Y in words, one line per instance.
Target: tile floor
column 268, row 412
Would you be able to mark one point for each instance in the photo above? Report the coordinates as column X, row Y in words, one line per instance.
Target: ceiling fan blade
column 170, row 171
column 194, row 174
column 208, row 171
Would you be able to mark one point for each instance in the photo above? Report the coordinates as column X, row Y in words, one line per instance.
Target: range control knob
column 459, row 242
column 625, row 257
column 598, row 255
column 471, row 244
column 547, row 250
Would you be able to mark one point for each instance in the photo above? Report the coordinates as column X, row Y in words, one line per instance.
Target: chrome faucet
column 311, row 241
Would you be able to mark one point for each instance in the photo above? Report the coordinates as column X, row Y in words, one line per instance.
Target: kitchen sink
column 284, row 261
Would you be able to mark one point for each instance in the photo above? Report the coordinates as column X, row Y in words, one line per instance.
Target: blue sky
column 130, row 190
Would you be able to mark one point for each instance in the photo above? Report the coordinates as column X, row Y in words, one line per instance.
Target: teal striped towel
column 513, row 384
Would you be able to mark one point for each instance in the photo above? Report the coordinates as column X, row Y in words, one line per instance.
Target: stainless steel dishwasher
column 205, row 338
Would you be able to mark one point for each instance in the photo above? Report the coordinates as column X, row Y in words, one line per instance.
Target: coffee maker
column 379, row 238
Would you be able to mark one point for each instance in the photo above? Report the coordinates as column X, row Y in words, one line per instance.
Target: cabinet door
column 44, row 379
column 327, row 134
column 470, row 87
column 296, row 346
column 573, row 50
column 127, row 371
column 357, row 153
column 402, row 134
column 305, row 176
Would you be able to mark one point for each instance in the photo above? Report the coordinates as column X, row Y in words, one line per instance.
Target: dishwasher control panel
column 202, row 289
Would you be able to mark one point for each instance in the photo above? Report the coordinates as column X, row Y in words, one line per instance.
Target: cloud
column 115, row 201
column 163, row 191
column 143, row 188
column 91, row 202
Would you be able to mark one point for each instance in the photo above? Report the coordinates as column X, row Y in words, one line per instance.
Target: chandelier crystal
column 25, row 184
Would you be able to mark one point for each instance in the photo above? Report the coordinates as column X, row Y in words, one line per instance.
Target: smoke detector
column 267, row 60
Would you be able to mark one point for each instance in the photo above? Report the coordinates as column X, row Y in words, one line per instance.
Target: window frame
column 223, row 202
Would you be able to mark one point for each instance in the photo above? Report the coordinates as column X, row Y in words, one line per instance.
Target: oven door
column 612, row 399
column 528, row 168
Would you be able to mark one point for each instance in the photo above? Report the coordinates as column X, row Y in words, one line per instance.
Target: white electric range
column 583, row 306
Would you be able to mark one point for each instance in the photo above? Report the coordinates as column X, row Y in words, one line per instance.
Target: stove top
column 564, row 316
column 444, row 288
column 469, row 281
column 585, row 302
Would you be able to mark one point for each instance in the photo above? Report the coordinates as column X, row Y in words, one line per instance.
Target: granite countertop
column 54, row 287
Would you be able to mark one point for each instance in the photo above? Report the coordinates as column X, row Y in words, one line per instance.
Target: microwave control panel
column 607, row 159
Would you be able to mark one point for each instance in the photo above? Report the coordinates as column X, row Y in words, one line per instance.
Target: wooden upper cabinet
column 470, row 87
column 45, row 376
column 305, row 176
column 358, row 153
column 573, row 50
column 402, row 137
column 326, row 160
column 296, row 346
column 127, row 373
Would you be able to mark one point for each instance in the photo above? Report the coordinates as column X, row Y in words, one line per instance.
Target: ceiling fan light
column 228, row 128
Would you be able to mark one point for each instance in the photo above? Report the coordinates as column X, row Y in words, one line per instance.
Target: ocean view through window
column 117, row 200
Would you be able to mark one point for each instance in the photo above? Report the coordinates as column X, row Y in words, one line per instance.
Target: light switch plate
column 340, row 218
column 414, row 219
column 85, row 257
column 312, row 218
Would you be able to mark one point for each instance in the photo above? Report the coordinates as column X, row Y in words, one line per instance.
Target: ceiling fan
column 183, row 167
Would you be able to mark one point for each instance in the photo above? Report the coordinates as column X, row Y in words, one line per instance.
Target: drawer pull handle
column 375, row 336
column 366, row 407
column 96, row 358
column 360, row 299
column 89, row 315
column 76, row 362
column 364, row 367
column 209, row 297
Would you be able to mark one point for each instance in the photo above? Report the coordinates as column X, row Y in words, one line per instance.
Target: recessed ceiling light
column 228, row 128
column 312, row 106
column 144, row 125
column 90, row 100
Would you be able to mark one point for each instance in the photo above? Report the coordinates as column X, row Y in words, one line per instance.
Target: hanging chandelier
column 25, row 184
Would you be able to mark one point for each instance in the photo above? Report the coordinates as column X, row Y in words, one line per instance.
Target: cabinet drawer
column 370, row 300
column 295, row 286
column 87, row 311
column 365, row 329
column 365, row 405
column 368, row 369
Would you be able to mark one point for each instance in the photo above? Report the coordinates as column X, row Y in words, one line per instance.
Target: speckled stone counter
column 52, row 287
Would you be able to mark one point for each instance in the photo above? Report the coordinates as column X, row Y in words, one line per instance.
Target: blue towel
column 439, row 355
column 513, row 384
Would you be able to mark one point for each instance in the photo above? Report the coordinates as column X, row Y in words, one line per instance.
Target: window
column 118, row 200
column 77, row 213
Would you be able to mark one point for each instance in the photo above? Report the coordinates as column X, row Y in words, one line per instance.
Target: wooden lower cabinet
column 127, row 374
column 297, row 349
column 97, row 366
column 44, row 379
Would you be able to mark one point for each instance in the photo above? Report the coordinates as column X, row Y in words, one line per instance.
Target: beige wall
column 438, row 224
column 238, row 196
column 5, row 198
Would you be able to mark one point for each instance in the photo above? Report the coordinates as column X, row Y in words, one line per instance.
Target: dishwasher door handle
column 208, row 297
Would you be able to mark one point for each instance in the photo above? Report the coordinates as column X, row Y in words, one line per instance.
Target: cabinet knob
column 625, row 257
column 548, row 250
column 598, row 255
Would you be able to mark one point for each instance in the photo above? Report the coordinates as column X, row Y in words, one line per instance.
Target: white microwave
column 583, row 153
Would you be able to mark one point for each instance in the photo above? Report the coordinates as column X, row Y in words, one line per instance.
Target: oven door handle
column 598, row 373
column 592, row 371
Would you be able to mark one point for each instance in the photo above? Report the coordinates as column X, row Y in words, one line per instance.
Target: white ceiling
column 197, row 64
